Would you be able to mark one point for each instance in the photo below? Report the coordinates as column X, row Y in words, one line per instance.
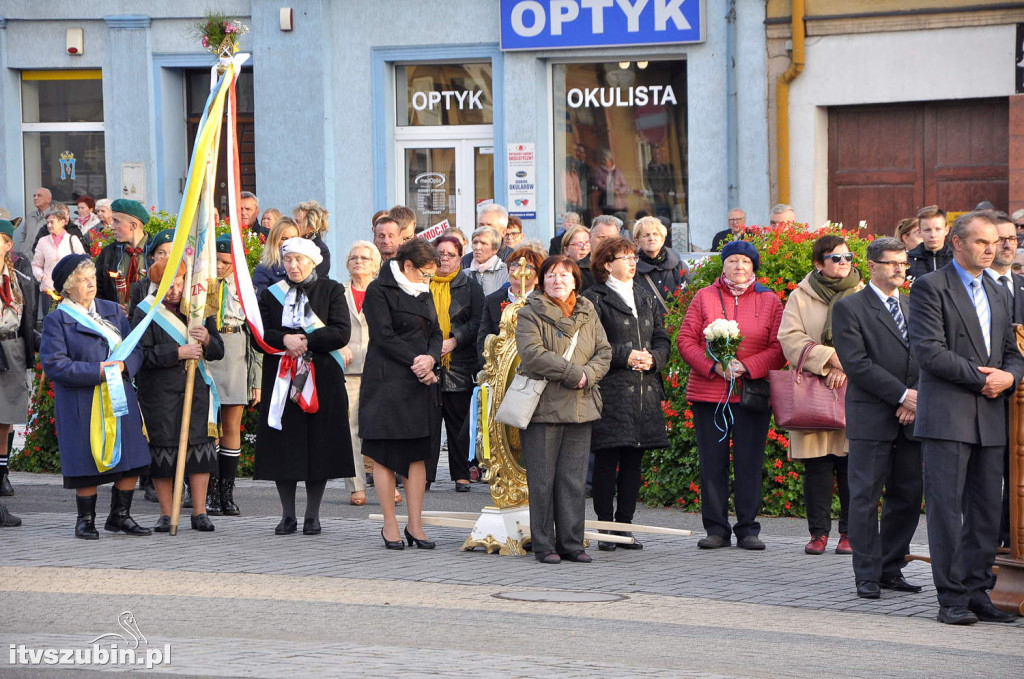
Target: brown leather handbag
column 802, row 401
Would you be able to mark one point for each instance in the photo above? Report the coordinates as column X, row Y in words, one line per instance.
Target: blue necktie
column 897, row 315
column 984, row 314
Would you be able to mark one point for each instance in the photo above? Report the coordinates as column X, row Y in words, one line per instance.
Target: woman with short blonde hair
column 312, row 219
column 270, row 270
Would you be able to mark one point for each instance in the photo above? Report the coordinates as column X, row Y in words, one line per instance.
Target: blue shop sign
column 547, row 24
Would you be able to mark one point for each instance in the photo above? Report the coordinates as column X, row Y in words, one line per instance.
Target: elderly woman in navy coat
column 75, row 347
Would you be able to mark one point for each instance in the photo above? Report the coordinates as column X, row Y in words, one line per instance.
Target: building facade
column 546, row 107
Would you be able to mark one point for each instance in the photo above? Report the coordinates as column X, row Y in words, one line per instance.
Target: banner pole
column 179, row 471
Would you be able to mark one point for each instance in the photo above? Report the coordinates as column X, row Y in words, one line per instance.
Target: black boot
column 120, row 518
column 8, row 520
column 228, row 470
column 146, row 484
column 5, row 483
column 213, row 497
column 85, row 527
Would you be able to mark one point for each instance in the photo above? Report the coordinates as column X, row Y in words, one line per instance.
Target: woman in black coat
column 399, row 391
column 459, row 302
column 632, row 420
column 659, row 266
column 161, row 384
column 307, row 440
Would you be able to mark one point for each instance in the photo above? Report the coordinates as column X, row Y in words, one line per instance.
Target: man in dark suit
column 960, row 334
column 1001, row 272
column 870, row 331
column 737, row 229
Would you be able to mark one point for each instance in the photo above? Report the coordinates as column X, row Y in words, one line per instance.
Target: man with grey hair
column 603, row 227
column 870, row 330
column 34, row 221
column 962, row 337
column 782, row 214
column 494, row 216
column 249, row 214
column 737, row 229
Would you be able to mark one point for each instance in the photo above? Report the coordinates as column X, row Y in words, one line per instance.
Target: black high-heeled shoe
column 420, row 544
column 391, row 544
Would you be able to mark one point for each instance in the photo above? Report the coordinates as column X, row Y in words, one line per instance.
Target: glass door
column 445, row 180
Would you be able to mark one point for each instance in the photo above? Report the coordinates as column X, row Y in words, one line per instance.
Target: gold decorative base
column 498, row 530
column 511, row 546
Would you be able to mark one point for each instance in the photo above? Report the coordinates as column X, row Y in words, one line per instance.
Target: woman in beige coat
column 808, row 319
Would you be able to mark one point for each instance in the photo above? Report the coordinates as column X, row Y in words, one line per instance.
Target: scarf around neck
column 657, row 259
column 441, row 291
column 623, row 289
column 737, row 289
column 831, row 290
column 407, row 286
column 567, row 306
column 486, row 266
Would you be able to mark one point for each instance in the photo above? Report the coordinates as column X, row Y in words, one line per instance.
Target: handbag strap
column 572, row 346
column 721, row 299
column 657, row 293
column 803, row 356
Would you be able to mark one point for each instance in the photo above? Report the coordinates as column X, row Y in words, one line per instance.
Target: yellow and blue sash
column 279, row 291
column 109, row 401
column 179, row 333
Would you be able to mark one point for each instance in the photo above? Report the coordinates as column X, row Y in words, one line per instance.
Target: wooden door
column 886, row 161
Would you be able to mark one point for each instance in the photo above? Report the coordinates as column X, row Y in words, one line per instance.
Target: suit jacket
column 947, row 340
column 878, row 363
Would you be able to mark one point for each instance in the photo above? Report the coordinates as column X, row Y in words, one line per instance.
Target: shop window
column 444, row 94
column 62, row 132
column 620, row 139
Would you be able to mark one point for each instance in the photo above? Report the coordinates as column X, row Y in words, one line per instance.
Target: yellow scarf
column 441, row 290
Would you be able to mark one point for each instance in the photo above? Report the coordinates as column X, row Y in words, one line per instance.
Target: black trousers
column 962, row 484
column 749, row 433
column 818, row 483
column 616, row 472
column 879, row 553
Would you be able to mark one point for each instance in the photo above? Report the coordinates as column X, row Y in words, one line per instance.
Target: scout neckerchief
column 173, row 326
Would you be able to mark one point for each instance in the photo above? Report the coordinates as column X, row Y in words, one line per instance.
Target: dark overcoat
column 393, row 403
column 309, row 446
column 108, row 267
column 490, row 319
column 632, row 415
column 71, row 355
column 465, row 310
column 161, row 383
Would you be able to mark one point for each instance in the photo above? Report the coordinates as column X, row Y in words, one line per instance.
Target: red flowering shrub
column 672, row 476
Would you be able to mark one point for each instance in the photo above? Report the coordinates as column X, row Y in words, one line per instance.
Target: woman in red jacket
column 734, row 296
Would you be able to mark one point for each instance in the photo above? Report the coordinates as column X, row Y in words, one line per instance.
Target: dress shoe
column 715, row 542
column 868, row 589
column 750, row 542
column 986, row 612
column 899, row 584
column 202, row 523
column 579, row 556
column 287, row 526
column 120, row 519
column 548, row 557
column 636, row 544
column 391, row 544
column 311, row 526
column 163, row 524
column 956, row 615
column 85, row 525
column 844, row 545
column 8, row 520
column 420, row 544
column 817, row 545
column 461, row 487
column 5, row 484
column 607, row 546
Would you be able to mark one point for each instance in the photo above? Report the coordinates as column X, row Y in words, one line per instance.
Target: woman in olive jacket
column 556, row 443
column 632, row 420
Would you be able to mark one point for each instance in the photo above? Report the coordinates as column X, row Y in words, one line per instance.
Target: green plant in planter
column 672, row 476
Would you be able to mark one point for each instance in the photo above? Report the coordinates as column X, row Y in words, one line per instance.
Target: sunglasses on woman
column 844, row 257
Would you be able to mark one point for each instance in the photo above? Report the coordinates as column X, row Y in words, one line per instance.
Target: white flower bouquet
column 722, row 339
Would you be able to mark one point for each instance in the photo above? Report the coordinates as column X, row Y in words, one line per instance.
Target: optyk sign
column 546, row 24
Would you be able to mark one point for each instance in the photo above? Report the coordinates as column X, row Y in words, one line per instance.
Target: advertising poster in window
column 522, row 180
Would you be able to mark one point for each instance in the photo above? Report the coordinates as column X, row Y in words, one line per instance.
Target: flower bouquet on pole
column 722, row 340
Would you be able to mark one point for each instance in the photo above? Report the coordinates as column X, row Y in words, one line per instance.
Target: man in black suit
column 1001, row 272
column 870, row 331
column 960, row 334
column 737, row 229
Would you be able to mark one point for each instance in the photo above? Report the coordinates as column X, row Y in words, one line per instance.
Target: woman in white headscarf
column 303, row 437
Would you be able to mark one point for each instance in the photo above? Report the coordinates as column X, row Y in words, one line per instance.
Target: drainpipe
column 732, row 115
column 796, row 65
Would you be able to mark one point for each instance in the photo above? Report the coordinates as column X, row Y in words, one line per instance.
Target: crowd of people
column 405, row 335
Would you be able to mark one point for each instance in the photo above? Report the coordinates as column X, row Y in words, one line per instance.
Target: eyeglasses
column 627, row 258
column 447, row 255
column 1008, row 240
column 901, row 265
column 515, row 267
column 426, row 276
column 509, row 232
column 844, row 257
